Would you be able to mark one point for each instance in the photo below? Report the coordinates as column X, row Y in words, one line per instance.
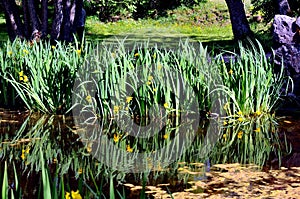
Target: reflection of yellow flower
column 27, row 150
column 53, row 47
column 258, row 113
column 154, row 89
column 89, row 147
column 78, row 51
column 128, row 99
column 230, row 72
column 166, row 105
column 159, row 66
column 240, row 134
column 257, row 130
column 150, row 78
column 10, row 52
column 149, row 82
column 136, row 54
column 23, row 154
column 88, row 99
column 25, row 51
column 225, row 137
column 116, row 137
column 225, row 122
column 74, row 195
column 240, row 113
column 166, row 136
column 154, row 55
column 129, row 149
column 240, row 119
column 226, row 106
column 80, row 171
column 116, row 109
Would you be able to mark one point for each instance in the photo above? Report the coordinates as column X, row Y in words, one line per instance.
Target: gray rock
column 284, row 29
column 286, row 38
column 290, row 55
column 298, row 21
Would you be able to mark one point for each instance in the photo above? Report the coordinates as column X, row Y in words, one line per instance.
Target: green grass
column 205, row 22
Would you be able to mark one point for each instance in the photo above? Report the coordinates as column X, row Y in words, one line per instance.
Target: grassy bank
column 207, row 22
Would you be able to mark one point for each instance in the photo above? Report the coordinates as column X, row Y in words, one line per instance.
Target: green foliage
column 250, row 82
column 115, row 9
column 269, row 8
column 41, row 74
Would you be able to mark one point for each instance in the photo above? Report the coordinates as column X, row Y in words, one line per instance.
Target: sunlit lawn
column 205, row 22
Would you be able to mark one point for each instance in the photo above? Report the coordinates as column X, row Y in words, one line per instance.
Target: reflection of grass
column 60, row 157
column 250, row 142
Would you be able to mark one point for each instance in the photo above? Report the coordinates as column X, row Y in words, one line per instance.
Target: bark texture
column 240, row 25
column 28, row 19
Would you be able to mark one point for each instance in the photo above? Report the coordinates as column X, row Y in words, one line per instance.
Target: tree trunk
column 35, row 24
column 14, row 24
column 66, row 31
column 44, row 18
column 78, row 14
column 58, row 18
column 240, row 25
column 26, row 19
column 283, row 7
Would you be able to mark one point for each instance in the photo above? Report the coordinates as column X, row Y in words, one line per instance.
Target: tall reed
column 249, row 80
column 39, row 74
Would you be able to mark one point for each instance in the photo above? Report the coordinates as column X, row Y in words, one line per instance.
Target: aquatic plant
column 39, row 75
column 249, row 80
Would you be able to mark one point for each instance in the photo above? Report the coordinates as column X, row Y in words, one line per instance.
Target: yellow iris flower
column 73, row 194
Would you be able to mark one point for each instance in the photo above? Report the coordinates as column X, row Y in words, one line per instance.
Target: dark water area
column 290, row 127
column 288, row 130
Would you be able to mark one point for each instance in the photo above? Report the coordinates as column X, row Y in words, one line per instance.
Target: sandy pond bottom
column 232, row 181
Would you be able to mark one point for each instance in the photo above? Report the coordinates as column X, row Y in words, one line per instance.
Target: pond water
column 262, row 145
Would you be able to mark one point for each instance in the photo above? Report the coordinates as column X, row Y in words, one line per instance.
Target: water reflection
column 67, row 151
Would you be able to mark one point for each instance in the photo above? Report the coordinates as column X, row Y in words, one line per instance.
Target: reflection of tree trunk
column 283, row 7
column 44, row 18
column 240, row 25
column 57, row 23
column 13, row 21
